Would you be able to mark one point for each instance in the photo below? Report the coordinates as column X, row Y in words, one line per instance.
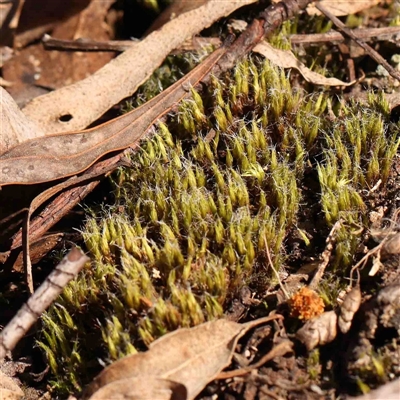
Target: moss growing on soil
column 251, row 158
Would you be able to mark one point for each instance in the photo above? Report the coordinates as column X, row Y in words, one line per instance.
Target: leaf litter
column 379, row 312
column 189, row 356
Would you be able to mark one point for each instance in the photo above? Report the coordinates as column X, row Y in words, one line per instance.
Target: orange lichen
column 306, row 304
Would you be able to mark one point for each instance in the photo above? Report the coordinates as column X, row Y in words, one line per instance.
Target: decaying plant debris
column 250, row 246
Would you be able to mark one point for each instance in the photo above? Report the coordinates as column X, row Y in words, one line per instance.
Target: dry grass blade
column 58, row 156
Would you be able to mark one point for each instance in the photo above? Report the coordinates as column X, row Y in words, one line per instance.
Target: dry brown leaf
column 286, row 59
column 82, row 103
column 57, row 156
column 9, row 390
column 343, row 7
column 138, row 388
column 318, row 331
column 190, row 356
column 16, row 128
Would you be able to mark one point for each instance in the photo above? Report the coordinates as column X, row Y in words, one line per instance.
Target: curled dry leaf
column 190, row 356
column 343, row 7
column 286, row 59
column 318, row 331
column 138, row 388
column 85, row 101
column 349, row 307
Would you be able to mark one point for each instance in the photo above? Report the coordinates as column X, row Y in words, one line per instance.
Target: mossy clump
column 221, row 177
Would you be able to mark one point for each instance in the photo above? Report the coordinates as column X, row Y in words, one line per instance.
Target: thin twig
column 387, row 34
column 50, row 43
column 325, row 256
column 279, row 350
column 371, row 52
column 50, row 289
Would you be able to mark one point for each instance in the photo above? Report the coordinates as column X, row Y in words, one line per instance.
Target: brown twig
column 386, row 34
column 50, row 289
column 50, row 43
column 325, row 256
column 348, row 32
column 279, row 350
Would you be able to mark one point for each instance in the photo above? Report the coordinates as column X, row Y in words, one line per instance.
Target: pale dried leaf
column 9, row 390
column 16, row 128
column 318, row 331
column 86, row 100
column 138, row 388
column 343, row 7
column 286, row 59
column 192, row 357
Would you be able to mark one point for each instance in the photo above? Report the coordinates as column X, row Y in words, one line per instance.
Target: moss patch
column 249, row 160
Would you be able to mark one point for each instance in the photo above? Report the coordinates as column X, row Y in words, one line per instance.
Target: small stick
column 380, row 34
column 279, row 350
column 50, row 43
column 372, row 53
column 54, row 284
column 325, row 256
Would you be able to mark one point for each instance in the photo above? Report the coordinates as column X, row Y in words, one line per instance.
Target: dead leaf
column 57, row 156
column 9, row 390
column 77, row 106
column 286, row 59
column 15, row 126
column 340, row 8
column 190, row 356
column 138, row 388
column 318, row 331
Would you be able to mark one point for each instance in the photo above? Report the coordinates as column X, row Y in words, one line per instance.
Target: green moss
column 187, row 229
